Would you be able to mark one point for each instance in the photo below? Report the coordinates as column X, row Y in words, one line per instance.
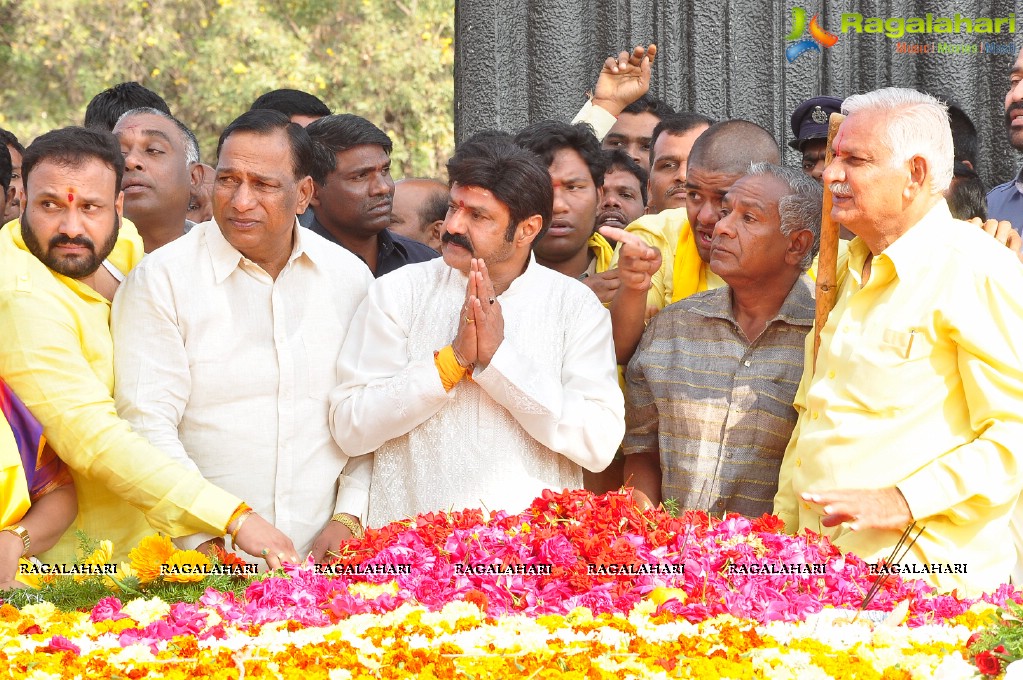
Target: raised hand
column 464, row 344
column 637, row 261
column 624, row 79
column 487, row 314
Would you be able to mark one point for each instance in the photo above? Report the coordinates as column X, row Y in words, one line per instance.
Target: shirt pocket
column 891, row 369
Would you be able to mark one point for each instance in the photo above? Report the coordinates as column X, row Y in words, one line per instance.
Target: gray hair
column 189, row 139
column 800, row 208
column 917, row 126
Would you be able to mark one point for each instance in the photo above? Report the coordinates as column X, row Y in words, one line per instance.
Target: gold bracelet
column 21, row 533
column 353, row 525
column 238, row 527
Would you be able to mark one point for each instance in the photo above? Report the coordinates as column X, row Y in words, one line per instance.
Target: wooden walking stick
column 827, row 262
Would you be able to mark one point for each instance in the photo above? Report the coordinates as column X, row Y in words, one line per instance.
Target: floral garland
column 574, row 585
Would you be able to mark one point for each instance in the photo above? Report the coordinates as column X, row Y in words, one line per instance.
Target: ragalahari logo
column 818, row 36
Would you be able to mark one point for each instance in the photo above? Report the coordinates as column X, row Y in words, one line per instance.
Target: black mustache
column 65, row 240
column 458, row 240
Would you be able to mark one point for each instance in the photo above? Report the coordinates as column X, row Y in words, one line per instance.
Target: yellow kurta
column 682, row 272
column 919, row 385
column 57, row 356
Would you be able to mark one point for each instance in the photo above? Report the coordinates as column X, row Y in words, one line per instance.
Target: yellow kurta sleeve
column 57, row 357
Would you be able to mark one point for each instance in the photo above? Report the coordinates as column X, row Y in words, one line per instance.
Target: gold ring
column 266, row 551
column 469, row 319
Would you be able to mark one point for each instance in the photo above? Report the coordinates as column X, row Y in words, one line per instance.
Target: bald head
column 731, row 146
column 418, row 210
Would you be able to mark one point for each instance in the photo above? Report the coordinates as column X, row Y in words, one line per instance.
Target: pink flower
column 59, row 643
column 107, row 609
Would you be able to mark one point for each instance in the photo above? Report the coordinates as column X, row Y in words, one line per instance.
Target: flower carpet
column 576, row 586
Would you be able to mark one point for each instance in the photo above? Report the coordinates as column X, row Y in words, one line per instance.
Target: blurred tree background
column 390, row 61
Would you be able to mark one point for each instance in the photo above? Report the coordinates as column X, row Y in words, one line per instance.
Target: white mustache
column 840, row 189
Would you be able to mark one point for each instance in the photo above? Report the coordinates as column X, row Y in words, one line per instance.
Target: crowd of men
column 291, row 346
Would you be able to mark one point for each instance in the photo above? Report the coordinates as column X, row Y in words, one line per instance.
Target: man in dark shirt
column 1005, row 201
column 352, row 200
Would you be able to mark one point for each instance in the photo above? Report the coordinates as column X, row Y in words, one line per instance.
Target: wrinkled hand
column 1003, row 233
column 604, row 284
column 624, row 79
column 328, row 540
column 863, row 508
column 489, row 319
column 637, row 261
column 257, row 535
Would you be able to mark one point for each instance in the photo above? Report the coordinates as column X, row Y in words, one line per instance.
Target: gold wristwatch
column 353, row 525
column 21, row 533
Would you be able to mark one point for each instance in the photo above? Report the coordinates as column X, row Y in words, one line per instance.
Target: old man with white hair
column 915, row 410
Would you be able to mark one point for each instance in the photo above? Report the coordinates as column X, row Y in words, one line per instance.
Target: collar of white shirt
column 226, row 258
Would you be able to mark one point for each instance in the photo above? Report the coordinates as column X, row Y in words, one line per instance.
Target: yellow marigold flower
column 187, row 566
column 149, row 554
column 101, row 555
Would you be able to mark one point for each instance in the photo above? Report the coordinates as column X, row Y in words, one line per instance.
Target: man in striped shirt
column 710, row 389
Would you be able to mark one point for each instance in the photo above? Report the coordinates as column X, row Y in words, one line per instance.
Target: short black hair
column 517, row 177
column 617, row 159
column 73, row 146
column 648, row 104
column 6, row 170
column 964, row 135
column 109, row 105
column 8, row 138
column 548, row 137
column 965, row 195
column 337, row 133
column 265, row 122
column 677, row 124
column 291, row 103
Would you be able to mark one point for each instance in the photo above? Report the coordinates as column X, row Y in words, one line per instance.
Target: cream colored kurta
column 919, row 385
column 547, row 405
column 228, row 370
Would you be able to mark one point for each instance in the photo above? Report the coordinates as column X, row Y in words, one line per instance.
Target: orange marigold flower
column 228, row 559
column 149, row 554
column 187, row 566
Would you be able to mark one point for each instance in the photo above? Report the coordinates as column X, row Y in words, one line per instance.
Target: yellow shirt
column 919, row 385
column 57, row 356
column 668, row 231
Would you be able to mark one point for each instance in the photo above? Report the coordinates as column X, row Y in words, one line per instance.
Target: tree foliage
column 390, row 61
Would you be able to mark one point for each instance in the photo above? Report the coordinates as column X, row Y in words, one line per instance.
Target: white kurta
column 228, row 370
column 546, row 406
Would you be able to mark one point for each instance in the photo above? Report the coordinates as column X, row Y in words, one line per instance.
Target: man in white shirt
column 481, row 378
column 227, row 339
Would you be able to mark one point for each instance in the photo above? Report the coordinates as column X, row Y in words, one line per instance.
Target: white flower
column 1014, row 671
